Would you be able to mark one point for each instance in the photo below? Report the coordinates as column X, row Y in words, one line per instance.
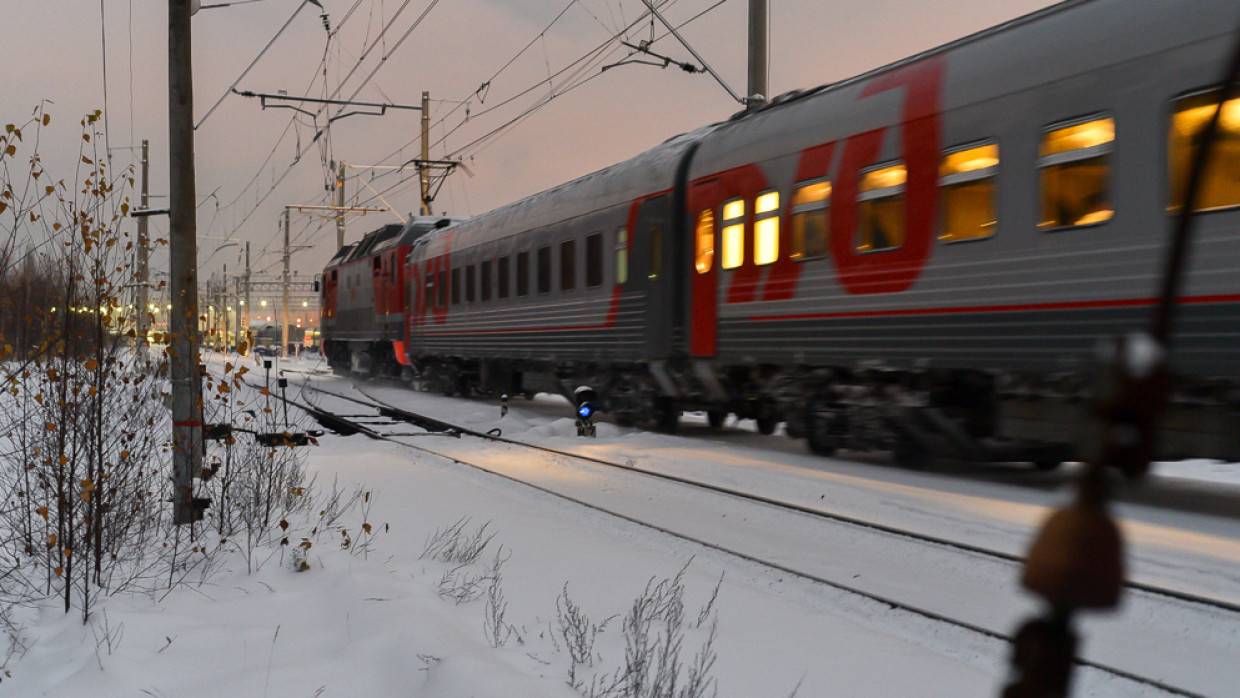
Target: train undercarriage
column 918, row 415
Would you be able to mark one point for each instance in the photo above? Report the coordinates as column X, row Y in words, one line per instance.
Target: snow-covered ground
column 375, row 623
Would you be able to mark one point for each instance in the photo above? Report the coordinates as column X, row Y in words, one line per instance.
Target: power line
column 250, row 67
column 585, row 57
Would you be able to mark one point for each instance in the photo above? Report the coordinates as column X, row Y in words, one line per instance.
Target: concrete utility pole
column 144, row 267
column 183, row 257
column 284, row 300
column 340, row 203
column 424, row 171
column 757, row 93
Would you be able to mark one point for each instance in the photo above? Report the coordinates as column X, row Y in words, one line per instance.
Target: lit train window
column 502, row 281
column 470, row 282
column 568, row 265
column 594, row 260
column 523, row 273
column 544, row 269
column 810, row 226
column 766, row 228
column 456, row 285
column 1220, row 183
column 622, row 255
column 967, row 178
column 733, row 234
column 881, row 209
column 704, row 249
column 485, row 271
column 1075, row 165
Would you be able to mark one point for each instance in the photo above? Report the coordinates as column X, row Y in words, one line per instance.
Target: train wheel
column 818, row 432
column 666, row 415
column 1046, row 465
column 716, row 418
column 909, row 455
column 766, row 425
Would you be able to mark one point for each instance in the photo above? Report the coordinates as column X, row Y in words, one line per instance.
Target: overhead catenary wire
column 270, row 42
column 334, row 93
column 592, row 58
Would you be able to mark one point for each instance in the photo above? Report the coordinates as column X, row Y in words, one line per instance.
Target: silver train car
column 923, row 258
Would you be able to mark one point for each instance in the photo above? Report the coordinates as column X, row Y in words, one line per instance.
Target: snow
column 374, row 624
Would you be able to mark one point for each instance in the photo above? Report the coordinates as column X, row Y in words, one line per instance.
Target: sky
column 247, row 168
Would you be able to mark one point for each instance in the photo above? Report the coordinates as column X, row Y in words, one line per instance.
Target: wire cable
column 250, row 67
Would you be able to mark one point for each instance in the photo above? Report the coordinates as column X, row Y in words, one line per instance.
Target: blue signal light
column 585, row 411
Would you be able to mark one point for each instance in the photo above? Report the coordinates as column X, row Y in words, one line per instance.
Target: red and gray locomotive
column 923, row 258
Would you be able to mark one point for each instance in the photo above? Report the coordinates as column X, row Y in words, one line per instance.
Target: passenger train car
column 923, row 258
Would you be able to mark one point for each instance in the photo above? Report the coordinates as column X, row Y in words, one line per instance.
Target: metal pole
column 225, row 301
column 284, row 301
column 183, row 259
column 340, row 203
column 424, row 172
column 757, row 93
column 144, row 269
column 246, row 327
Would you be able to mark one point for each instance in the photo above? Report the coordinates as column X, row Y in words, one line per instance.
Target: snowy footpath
column 562, row 594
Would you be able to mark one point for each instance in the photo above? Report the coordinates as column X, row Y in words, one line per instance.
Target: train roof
column 389, row 236
column 650, row 171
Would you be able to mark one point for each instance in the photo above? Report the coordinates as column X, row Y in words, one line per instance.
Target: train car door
column 652, row 260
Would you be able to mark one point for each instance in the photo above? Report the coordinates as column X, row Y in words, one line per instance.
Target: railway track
column 432, row 425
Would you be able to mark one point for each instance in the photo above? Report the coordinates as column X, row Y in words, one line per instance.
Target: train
column 922, row 259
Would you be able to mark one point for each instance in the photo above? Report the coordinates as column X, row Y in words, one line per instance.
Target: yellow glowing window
column 1220, row 183
column 766, row 228
column 704, row 257
column 881, row 209
column 967, row 180
column 809, row 220
column 733, row 234
column 1075, row 174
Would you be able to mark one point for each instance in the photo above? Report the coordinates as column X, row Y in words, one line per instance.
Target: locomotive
column 923, row 258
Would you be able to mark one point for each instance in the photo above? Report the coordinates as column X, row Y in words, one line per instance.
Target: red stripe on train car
column 1008, row 308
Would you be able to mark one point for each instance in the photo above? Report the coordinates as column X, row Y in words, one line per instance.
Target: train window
column 456, row 285
column 656, row 252
column 967, row 178
column 1220, row 183
column 544, row 269
column 881, row 209
column 442, row 283
column 378, row 263
column 622, row 255
column 523, row 273
column 704, row 256
column 568, row 265
column 470, row 283
column 502, row 281
column 733, row 234
column 1075, row 165
column 594, row 260
column 766, row 228
column 809, row 220
column 485, row 271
